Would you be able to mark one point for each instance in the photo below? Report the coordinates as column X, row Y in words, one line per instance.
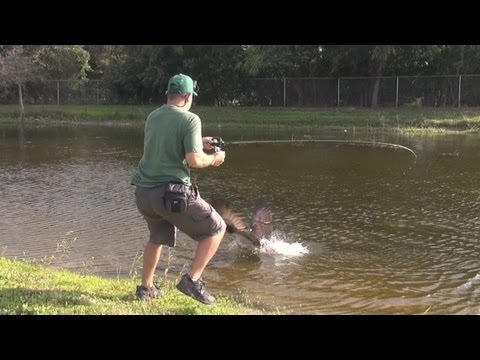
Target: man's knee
column 222, row 230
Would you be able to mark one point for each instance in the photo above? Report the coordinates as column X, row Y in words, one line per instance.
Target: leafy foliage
column 63, row 62
column 138, row 74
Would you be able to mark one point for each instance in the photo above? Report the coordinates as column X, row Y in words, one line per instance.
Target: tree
column 16, row 69
column 101, row 57
column 63, row 62
column 219, row 71
column 279, row 61
column 380, row 56
column 139, row 74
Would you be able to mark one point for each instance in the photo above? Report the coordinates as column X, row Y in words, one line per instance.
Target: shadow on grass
column 34, row 301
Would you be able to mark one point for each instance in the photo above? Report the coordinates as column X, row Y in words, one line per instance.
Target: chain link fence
column 59, row 92
column 387, row 91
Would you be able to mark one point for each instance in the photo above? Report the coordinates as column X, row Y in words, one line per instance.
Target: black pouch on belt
column 176, row 197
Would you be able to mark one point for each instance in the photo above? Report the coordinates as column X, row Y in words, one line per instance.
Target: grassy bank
column 26, row 288
column 419, row 118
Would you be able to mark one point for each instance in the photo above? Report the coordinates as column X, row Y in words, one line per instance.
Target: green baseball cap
column 182, row 84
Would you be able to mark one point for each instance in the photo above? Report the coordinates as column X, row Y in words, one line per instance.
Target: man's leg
column 190, row 284
column 148, row 290
column 151, row 255
column 161, row 232
column 201, row 220
column 206, row 248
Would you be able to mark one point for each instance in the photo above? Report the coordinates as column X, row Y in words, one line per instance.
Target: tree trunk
column 20, row 99
column 376, row 86
column 299, row 91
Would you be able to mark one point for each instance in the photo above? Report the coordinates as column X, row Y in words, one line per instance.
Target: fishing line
column 353, row 142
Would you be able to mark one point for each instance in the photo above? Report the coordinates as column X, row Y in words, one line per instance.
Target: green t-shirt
column 170, row 133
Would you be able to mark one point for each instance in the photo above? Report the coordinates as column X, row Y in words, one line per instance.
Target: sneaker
column 195, row 289
column 144, row 293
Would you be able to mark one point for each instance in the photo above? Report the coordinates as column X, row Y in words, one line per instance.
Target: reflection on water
column 382, row 232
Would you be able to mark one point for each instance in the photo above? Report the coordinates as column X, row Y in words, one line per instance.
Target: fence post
column 459, row 89
column 58, row 92
column 284, row 91
column 396, row 95
column 338, row 92
column 98, row 94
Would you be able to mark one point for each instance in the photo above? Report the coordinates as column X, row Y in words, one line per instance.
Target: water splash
column 470, row 283
column 277, row 245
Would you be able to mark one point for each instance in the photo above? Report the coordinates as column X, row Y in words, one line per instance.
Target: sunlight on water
column 278, row 245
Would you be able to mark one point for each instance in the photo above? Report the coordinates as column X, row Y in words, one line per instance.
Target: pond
column 359, row 228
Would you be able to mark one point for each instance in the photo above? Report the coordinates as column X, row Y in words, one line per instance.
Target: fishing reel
column 217, row 143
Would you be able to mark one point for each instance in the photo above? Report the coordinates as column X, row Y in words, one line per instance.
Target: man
column 165, row 195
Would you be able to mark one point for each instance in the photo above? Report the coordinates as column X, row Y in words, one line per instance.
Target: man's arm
column 202, row 160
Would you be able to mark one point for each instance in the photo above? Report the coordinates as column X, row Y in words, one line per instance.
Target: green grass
column 466, row 119
column 28, row 288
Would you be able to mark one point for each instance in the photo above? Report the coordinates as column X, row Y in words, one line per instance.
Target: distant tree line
column 138, row 74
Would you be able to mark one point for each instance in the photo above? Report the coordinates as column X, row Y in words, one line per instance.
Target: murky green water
column 386, row 233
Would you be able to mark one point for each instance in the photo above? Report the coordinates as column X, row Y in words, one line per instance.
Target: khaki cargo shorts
column 199, row 221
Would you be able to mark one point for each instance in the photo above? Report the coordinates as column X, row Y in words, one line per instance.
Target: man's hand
column 207, row 143
column 218, row 158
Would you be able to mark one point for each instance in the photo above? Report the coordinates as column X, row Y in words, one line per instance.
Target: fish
column 260, row 225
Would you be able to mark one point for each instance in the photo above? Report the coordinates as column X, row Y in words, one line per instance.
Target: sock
column 194, row 280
